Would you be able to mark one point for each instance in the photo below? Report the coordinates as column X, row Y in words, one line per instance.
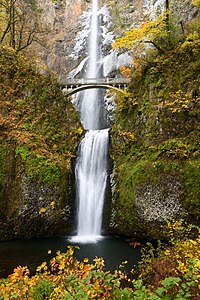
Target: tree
column 149, row 32
column 155, row 32
column 19, row 20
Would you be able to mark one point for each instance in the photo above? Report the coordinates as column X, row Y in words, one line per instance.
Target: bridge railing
column 105, row 80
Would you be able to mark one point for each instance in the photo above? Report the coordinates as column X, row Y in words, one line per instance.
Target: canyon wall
column 63, row 21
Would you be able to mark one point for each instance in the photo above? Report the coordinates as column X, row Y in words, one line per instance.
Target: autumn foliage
column 35, row 118
column 168, row 273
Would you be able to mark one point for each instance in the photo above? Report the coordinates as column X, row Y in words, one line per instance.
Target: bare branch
column 160, row 50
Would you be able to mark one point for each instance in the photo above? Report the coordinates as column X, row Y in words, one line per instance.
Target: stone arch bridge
column 72, row 86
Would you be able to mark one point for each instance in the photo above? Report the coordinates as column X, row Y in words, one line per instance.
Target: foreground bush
column 173, row 270
column 173, row 274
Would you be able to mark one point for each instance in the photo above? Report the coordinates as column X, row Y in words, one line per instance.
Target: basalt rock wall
column 155, row 137
column 39, row 133
column 63, row 19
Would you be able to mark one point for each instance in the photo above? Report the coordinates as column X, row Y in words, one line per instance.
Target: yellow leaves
column 42, row 267
column 52, row 205
column 181, row 101
column 148, row 30
column 42, row 211
column 61, row 265
column 99, row 263
column 197, row 265
column 196, row 2
column 184, row 250
column 194, row 243
column 182, row 267
column 125, row 101
column 128, row 135
column 80, row 130
column 70, row 250
column 167, row 252
column 192, row 43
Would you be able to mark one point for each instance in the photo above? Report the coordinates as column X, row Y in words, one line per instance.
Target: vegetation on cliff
column 155, row 138
column 20, row 24
column 40, row 131
column 37, row 120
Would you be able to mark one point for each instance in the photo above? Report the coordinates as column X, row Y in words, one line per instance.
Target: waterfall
column 91, row 166
column 91, row 174
column 90, row 104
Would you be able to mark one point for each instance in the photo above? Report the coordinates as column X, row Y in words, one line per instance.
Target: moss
column 165, row 126
column 40, row 132
column 40, row 169
column 38, row 117
column 191, row 182
column 2, row 173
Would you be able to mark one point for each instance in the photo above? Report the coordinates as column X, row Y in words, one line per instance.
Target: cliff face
column 39, row 133
column 155, row 138
column 63, row 20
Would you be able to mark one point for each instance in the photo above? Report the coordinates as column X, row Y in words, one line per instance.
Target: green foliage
column 41, row 169
column 178, row 148
column 23, row 151
column 192, row 187
column 43, row 290
column 174, row 270
column 38, row 118
column 162, row 113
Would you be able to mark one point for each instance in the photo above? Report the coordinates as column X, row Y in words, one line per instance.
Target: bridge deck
column 95, row 81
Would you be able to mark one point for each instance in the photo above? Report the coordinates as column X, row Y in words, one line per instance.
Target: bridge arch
column 97, row 86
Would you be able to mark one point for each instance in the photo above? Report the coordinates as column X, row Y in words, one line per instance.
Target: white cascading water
column 90, row 104
column 91, row 167
column 91, row 172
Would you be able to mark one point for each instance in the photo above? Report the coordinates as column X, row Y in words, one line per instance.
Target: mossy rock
column 155, row 145
column 40, row 132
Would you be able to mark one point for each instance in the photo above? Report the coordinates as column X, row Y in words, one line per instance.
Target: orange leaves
column 125, row 71
column 20, row 273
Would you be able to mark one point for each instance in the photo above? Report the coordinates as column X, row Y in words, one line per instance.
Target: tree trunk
column 167, row 14
column 12, row 23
